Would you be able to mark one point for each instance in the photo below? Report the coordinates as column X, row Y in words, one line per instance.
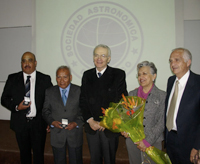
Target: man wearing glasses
column 100, row 86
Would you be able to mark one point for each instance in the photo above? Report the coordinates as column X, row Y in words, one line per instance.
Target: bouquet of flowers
column 127, row 116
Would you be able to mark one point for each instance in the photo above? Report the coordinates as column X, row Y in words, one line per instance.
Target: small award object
column 26, row 100
column 64, row 123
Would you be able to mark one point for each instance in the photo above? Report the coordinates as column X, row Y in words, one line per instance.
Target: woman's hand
column 141, row 145
column 125, row 134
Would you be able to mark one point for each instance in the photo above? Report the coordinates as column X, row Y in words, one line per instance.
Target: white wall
column 192, row 31
column 15, row 38
column 19, row 14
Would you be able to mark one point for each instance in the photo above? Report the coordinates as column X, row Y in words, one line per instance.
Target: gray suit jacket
column 153, row 115
column 54, row 110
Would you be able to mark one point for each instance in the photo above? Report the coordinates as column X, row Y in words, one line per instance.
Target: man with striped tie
column 23, row 95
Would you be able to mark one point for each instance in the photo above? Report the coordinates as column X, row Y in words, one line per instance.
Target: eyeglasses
column 100, row 56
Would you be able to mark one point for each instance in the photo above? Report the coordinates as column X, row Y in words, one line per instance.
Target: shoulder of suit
column 133, row 92
column 90, row 70
column 75, row 86
column 116, row 69
column 41, row 74
column 197, row 76
column 53, row 88
column 15, row 75
column 158, row 92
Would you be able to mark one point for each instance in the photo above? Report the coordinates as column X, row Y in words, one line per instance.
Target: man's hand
column 48, row 129
column 23, row 107
column 141, row 146
column 57, row 124
column 101, row 127
column 95, row 125
column 192, row 154
column 71, row 125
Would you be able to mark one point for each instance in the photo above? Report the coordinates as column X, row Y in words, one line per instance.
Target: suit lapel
column 20, row 84
column 70, row 96
column 188, row 93
column 37, row 88
column 58, row 96
column 170, row 85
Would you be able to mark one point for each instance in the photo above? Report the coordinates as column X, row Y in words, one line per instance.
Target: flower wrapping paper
column 127, row 116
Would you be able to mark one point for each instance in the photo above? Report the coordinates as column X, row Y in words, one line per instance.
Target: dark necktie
column 27, row 91
column 64, row 98
column 99, row 74
column 170, row 116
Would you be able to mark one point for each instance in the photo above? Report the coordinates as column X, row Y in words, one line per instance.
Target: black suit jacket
column 99, row 92
column 13, row 95
column 188, row 117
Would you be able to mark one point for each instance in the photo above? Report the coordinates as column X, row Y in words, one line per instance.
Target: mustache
column 27, row 66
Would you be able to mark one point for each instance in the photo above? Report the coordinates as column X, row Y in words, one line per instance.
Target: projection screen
column 68, row 30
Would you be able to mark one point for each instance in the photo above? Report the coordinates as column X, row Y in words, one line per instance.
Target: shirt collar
column 68, row 88
column 184, row 79
column 33, row 74
column 102, row 71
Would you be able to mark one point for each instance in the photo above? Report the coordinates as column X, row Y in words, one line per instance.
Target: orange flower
column 130, row 104
column 114, row 126
column 131, row 112
column 128, row 113
column 103, row 111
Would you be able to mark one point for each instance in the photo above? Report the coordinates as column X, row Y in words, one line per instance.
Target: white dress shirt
column 100, row 72
column 181, row 88
column 33, row 110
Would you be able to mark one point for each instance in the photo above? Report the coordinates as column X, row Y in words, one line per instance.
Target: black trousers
column 75, row 154
column 175, row 151
column 31, row 138
column 102, row 148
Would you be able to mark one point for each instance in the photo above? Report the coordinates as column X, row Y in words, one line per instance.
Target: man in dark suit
column 61, row 107
column 182, row 135
column 100, row 86
column 26, row 119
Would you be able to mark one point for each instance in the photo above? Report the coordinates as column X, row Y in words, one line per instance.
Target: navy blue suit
column 188, row 118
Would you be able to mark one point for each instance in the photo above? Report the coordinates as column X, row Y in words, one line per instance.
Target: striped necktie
column 27, row 91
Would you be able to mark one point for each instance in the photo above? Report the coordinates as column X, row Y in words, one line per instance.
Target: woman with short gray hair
column 153, row 120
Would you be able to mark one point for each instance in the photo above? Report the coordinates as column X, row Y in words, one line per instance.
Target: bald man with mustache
column 23, row 95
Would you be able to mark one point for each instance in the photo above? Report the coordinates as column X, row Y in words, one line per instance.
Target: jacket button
column 143, row 125
column 146, row 101
column 144, row 117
